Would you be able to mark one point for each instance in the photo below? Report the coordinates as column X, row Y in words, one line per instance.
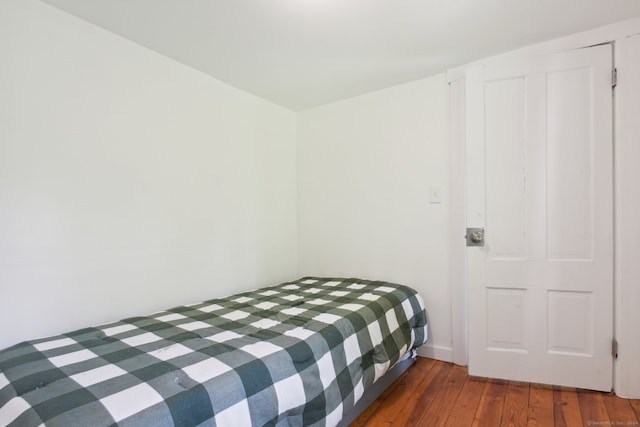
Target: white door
column 539, row 181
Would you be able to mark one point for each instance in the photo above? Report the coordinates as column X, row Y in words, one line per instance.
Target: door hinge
column 614, row 77
column 614, row 348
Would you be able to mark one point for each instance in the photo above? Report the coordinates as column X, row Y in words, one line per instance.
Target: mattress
column 298, row 353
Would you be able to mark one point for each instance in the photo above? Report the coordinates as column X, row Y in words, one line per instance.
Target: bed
column 298, row 353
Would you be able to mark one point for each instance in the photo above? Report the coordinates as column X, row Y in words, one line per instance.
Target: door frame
column 458, row 218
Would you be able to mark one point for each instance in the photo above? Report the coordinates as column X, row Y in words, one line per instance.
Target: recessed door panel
column 504, row 157
column 506, row 319
column 570, row 323
column 569, row 144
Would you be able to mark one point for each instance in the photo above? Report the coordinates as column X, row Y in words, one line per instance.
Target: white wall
column 128, row 182
column 365, row 167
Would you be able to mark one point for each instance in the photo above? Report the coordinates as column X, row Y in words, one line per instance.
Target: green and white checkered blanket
column 299, row 353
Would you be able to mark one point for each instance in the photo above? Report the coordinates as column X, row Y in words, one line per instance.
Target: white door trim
column 457, row 220
column 627, row 211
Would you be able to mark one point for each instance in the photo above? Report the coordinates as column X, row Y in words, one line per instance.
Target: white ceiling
column 304, row 53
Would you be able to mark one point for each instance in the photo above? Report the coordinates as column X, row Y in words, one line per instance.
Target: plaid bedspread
column 299, row 353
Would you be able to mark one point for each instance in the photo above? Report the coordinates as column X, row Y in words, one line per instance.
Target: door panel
column 569, row 204
column 504, row 155
column 539, row 179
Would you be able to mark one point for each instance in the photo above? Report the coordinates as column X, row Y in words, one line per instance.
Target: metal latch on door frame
column 475, row 236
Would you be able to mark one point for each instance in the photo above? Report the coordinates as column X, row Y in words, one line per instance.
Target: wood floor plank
column 566, row 408
column 489, row 412
column 394, row 404
column 439, row 393
column 376, row 405
column 592, row 407
column 635, row 404
column 423, row 396
column 441, row 404
column 516, row 404
column 540, row 412
column 620, row 411
column 465, row 406
column 391, row 392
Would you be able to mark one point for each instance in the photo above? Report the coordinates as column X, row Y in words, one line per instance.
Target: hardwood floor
column 434, row 393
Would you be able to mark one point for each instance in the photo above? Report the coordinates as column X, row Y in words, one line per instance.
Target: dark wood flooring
column 434, row 393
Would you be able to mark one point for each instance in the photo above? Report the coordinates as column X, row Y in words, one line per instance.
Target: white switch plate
column 435, row 194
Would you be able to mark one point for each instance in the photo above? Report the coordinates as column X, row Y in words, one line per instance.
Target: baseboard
column 436, row 352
